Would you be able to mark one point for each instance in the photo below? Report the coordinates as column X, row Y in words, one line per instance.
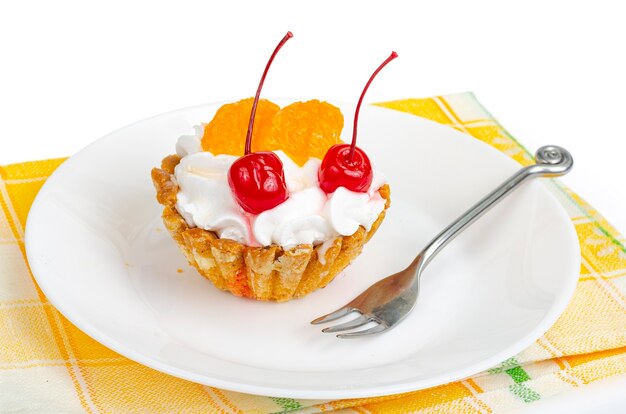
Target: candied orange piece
column 226, row 133
column 304, row 129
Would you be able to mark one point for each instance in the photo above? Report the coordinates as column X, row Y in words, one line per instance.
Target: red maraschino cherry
column 257, row 179
column 347, row 165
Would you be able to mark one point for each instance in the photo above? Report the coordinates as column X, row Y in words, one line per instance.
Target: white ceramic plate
column 98, row 250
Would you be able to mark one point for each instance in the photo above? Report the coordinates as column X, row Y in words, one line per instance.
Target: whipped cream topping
column 347, row 210
column 308, row 216
column 298, row 220
column 205, row 199
column 190, row 144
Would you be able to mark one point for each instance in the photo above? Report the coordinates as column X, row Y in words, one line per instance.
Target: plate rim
column 547, row 321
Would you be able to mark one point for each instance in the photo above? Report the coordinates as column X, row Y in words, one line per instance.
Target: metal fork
column 387, row 302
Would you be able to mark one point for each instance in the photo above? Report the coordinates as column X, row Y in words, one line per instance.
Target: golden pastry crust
column 262, row 273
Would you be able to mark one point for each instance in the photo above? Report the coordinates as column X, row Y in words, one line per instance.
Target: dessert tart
column 267, row 202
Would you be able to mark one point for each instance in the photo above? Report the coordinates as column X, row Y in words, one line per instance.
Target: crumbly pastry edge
column 261, row 273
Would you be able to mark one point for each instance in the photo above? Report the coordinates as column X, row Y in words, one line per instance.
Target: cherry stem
column 248, row 148
column 358, row 105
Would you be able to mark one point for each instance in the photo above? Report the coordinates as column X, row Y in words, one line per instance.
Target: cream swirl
column 308, row 216
column 205, row 199
column 190, row 144
column 298, row 220
column 347, row 210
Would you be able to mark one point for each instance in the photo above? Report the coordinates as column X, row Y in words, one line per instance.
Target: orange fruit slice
column 304, row 129
column 226, row 133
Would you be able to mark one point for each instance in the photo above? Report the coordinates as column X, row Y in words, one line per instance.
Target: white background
column 550, row 71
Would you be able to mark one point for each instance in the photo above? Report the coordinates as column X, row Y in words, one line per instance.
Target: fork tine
column 371, row 331
column 355, row 323
column 341, row 312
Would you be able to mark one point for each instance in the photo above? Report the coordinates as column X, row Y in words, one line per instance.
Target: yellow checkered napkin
column 47, row 365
